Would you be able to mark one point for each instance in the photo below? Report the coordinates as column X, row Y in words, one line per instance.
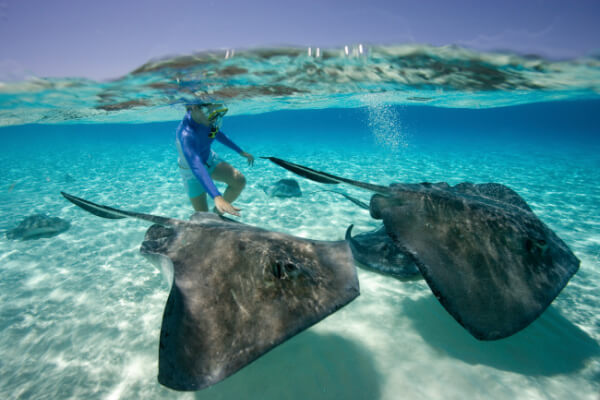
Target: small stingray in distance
column 488, row 259
column 237, row 291
column 38, row 226
column 284, row 188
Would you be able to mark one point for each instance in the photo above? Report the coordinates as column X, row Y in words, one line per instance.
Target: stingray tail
column 113, row 213
column 359, row 203
column 324, row 177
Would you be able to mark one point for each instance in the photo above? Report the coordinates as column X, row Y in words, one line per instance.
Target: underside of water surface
column 260, row 80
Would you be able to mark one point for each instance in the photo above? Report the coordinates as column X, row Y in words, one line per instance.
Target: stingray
column 38, row 226
column 237, row 290
column 488, row 259
column 284, row 188
column 376, row 251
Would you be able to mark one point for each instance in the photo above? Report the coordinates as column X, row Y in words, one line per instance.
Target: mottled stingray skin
column 489, row 260
column 237, row 291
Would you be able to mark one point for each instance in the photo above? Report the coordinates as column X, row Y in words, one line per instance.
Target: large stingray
column 237, row 291
column 489, row 260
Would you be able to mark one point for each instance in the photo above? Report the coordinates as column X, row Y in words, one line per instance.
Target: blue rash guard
column 194, row 142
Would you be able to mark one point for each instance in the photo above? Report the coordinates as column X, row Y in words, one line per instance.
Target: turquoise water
column 80, row 313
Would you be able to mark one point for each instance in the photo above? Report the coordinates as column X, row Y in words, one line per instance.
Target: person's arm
column 197, row 166
column 223, row 138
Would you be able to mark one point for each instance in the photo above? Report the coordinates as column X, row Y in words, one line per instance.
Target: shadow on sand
column 551, row 345
column 308, row 366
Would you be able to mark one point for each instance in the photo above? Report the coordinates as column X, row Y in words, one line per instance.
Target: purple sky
column 108, row 38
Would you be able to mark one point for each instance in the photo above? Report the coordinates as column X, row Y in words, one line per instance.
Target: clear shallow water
column 80, row 313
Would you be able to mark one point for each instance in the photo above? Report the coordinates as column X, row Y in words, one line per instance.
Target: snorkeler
column 199, row 164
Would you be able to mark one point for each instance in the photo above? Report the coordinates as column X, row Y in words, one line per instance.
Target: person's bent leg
column 232, row 177
column 199, row 203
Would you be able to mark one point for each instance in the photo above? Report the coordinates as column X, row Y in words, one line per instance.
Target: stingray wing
column 493, row 191
column 494, row 266
column 239, row 291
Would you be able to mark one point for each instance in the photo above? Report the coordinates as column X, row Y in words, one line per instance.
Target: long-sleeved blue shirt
column 194, row 141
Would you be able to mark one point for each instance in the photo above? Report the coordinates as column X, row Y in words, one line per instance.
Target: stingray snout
column 377, row 203
column 380, row 203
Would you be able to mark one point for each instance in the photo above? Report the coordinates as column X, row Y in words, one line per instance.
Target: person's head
column 210, row 113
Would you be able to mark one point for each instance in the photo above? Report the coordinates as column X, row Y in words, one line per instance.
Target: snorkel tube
column 215, row 117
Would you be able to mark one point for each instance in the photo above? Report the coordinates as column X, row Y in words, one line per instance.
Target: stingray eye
column 277, row 269
column 284, row 270
column 292, row 270
column 537, row 246
column 543, row 246
column 289, row 267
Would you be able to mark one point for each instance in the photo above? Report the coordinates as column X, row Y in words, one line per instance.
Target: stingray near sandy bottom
column 237, row 291
column 489, row 260
column 38, row 226
column 284, row 188
column 376, row 251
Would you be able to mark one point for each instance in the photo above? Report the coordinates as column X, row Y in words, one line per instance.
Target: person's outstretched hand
column 248, row 156
column 223, row 206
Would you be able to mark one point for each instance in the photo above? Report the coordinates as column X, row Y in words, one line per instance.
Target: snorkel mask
column 214, row 113
column 215, row 117
column 217, row 114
